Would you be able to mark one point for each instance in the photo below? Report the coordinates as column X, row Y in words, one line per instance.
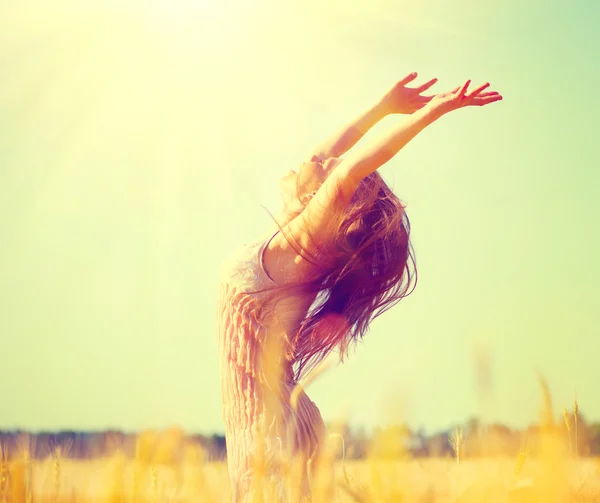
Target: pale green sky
column 137, row 144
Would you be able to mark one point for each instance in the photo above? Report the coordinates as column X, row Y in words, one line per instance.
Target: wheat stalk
column 3, row 471
column 568, row 425
column 456, row 440
column 521, row 457
column 547, row 419
column 135, row 482
column 23, row 470
column 154, row 474
column 56, row 471
column 28, row 477
column 576, row 418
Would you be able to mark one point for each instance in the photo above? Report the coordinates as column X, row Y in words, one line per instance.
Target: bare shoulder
column 284, row 264
column 312, row 232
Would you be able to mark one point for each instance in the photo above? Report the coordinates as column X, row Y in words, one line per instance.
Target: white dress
column 257, row 383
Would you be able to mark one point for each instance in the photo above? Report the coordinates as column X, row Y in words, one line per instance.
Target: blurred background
column 140, row 143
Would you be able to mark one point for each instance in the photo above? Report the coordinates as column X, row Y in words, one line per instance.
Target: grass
column 166, row 468
column 111, row 480
column 456, row 442
column 182, row 473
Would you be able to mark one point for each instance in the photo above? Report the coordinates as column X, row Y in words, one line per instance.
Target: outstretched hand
column 406, row 100
column 459, row 98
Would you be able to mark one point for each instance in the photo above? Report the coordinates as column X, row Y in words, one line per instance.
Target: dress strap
column 261, row 251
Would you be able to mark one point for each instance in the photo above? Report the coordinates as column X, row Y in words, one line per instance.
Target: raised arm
column 399, row 99
column 312, row 226
column 365, row 161
column 344, row 139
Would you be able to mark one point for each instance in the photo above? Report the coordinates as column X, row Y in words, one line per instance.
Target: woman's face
column 296, row 185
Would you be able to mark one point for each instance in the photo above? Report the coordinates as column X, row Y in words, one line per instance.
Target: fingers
column 425, row 86
column 409, row 78
column 463, row 89
column 480, row 98
column 460, row 95
column 486, row 100
column 478, row 90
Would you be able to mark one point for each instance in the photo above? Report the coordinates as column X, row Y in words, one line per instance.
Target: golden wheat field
column 188, row 477
column 551, row 463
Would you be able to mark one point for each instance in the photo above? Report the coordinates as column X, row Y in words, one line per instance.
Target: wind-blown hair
column 372, row 268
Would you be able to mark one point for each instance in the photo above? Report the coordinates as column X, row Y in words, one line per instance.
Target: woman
column 340, row 257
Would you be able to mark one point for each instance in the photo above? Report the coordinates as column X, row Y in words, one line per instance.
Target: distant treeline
column 163, row 446
column 573, row 435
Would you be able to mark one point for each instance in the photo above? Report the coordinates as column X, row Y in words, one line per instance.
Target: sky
column 140, row 143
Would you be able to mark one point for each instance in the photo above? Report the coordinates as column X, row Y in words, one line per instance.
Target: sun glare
column 180, row 10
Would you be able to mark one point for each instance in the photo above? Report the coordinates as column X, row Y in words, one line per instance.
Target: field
column 552, row 462
column 118, row 479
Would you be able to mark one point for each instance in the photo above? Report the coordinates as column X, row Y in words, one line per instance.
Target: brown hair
column 372, row 269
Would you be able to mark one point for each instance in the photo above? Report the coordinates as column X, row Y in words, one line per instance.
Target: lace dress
column 256, row 380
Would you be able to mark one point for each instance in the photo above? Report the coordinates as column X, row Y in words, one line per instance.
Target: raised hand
column 459, row 98
column 406, row 100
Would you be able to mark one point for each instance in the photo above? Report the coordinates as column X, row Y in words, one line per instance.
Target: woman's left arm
column 399, row 99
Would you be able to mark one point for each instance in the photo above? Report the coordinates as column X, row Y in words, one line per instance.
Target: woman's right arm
column 365, row 161
column 368, row 159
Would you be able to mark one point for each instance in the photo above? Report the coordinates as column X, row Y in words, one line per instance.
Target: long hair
column 372, row 268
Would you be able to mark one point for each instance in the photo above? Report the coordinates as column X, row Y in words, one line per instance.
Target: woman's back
column 256, row 377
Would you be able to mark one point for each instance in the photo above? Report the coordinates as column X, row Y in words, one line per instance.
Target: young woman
column 340, row 257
